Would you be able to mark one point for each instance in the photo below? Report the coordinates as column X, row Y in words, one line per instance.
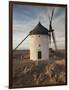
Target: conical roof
column 39, row 29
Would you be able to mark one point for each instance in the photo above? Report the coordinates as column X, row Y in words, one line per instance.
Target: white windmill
column 40, row 38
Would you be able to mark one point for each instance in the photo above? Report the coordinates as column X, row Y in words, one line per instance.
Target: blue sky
column 26, row 17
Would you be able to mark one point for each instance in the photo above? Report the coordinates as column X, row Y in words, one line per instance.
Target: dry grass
column 28, row 73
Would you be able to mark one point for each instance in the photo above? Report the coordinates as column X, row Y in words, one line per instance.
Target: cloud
column 26, row 17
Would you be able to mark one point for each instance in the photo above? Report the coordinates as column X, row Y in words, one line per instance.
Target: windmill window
column 39, row 45
column 39, row 54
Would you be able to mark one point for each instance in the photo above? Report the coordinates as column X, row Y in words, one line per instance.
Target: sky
column 26, row 17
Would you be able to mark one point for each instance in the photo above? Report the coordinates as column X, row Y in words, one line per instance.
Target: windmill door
column 39, row 54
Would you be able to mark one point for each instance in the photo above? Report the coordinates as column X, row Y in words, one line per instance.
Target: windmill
column 39, row 41
column 51, row 30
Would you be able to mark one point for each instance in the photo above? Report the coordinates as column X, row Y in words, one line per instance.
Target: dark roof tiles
column 39, row 29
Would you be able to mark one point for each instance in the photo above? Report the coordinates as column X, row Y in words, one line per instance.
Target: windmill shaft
column 21, row 42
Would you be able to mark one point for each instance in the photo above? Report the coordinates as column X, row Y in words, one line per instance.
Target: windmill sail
column 21, row 42
column 51, row 31
column 54, row 41
column 52, row 15
column 50, row 26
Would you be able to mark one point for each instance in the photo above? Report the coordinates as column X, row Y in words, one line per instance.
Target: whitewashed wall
column 35, row 41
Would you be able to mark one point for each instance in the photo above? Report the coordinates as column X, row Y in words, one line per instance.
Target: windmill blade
column 50, row 25
column 52, row 16
column 49, row 16
column 21, row 42
column 50, row 37
column 54, row 41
